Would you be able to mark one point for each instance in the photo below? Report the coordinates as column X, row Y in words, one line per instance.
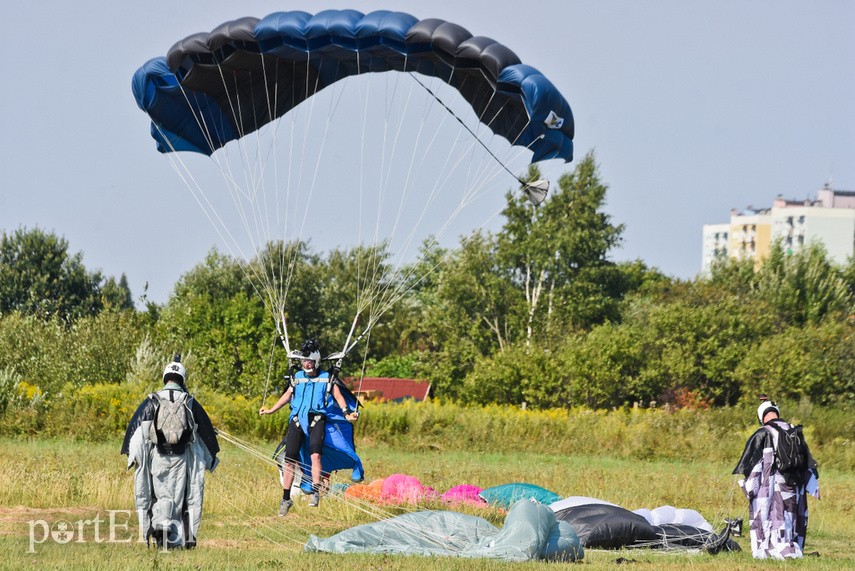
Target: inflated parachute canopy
column 216, row 87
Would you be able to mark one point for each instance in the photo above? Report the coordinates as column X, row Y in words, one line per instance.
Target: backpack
column 791, row 452
column 173, row 422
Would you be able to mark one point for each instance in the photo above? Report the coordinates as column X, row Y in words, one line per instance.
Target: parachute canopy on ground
column 464, row 494
column 404, row 489
column 216, row 87
column 671, row 515
column 605, row 525
column 506, row 495
column 531, row 532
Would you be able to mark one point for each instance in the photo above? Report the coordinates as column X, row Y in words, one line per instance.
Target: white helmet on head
column 765, row 407
column 311, row 351
column 175, row 371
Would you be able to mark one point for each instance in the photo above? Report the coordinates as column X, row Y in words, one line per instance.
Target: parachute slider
column 535, row 191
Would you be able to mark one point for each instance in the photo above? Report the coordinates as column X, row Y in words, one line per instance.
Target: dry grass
column 67, row 480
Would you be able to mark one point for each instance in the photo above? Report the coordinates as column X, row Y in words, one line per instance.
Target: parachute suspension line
column 485, row 177
column 317, row 164
column 391, row 296
column 276, row 307
column 252, row 176
column 345, row 350
column 290, row 251
column 274, row 531
column 196, row 191
column 371, row 509
column 465, row 126
column 385, row 183
column 204, row 202
column 407, row 278
column 269, row 372
column 364, row 361
column 211, row 212
column 376, row 292
column 200, row 121
column 380, row 296
column 285, row 278
column 387, row 298
column 361, row 273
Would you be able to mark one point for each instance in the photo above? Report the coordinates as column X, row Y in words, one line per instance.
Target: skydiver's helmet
column 765, row 407
column 175, row 371
column 310, row 351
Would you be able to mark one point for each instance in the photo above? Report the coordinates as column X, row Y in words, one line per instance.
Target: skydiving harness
column 308, row 394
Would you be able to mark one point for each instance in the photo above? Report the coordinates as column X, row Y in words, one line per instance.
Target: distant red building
column 388, row 389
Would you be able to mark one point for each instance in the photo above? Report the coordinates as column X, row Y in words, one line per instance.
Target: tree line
column 534, row 313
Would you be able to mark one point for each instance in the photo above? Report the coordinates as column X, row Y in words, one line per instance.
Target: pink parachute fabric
column 464, row 494
column 403, row 489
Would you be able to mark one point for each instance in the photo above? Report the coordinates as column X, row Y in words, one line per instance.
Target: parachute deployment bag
column 790, row 452
column 173, row 422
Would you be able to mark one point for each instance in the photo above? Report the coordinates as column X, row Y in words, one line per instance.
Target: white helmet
column 765, row 407
column 311, row 351
column 175, row 371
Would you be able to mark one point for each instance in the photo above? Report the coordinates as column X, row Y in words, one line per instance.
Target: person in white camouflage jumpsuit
column 777, row 508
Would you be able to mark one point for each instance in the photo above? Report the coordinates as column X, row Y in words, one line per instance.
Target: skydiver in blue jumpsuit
column 307, row 393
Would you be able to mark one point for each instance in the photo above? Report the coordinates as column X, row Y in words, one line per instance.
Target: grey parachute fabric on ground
column 531, row 532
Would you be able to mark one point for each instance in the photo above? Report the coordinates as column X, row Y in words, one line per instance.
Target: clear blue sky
column 692, row 107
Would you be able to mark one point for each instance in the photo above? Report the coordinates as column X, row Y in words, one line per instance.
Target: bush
column 817, row 362
column 100, row 412
column 48, row 354
column 9, row 380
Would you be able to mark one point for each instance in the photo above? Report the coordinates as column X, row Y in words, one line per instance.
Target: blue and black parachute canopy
column 212, row 88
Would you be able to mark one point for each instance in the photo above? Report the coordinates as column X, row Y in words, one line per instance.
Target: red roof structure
column 388, row 389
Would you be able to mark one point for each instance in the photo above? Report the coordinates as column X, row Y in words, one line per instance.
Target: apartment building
column 829, row 220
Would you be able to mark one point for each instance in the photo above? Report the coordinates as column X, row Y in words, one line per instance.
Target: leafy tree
column 545, row 273
column 605, row 368
column 226, row 311
column 804, row 286
column 216, row 314
column 733, row 275
column 394, row 366
column 684, row 338
column 560, row 245
column 116, row 295
column 54, row 355
column 814, row 361
column 848, row 275
column 39, row 276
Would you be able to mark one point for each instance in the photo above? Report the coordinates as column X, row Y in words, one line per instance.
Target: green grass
column 63, row 479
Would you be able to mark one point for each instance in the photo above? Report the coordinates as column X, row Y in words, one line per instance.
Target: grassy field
column 72, row 481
